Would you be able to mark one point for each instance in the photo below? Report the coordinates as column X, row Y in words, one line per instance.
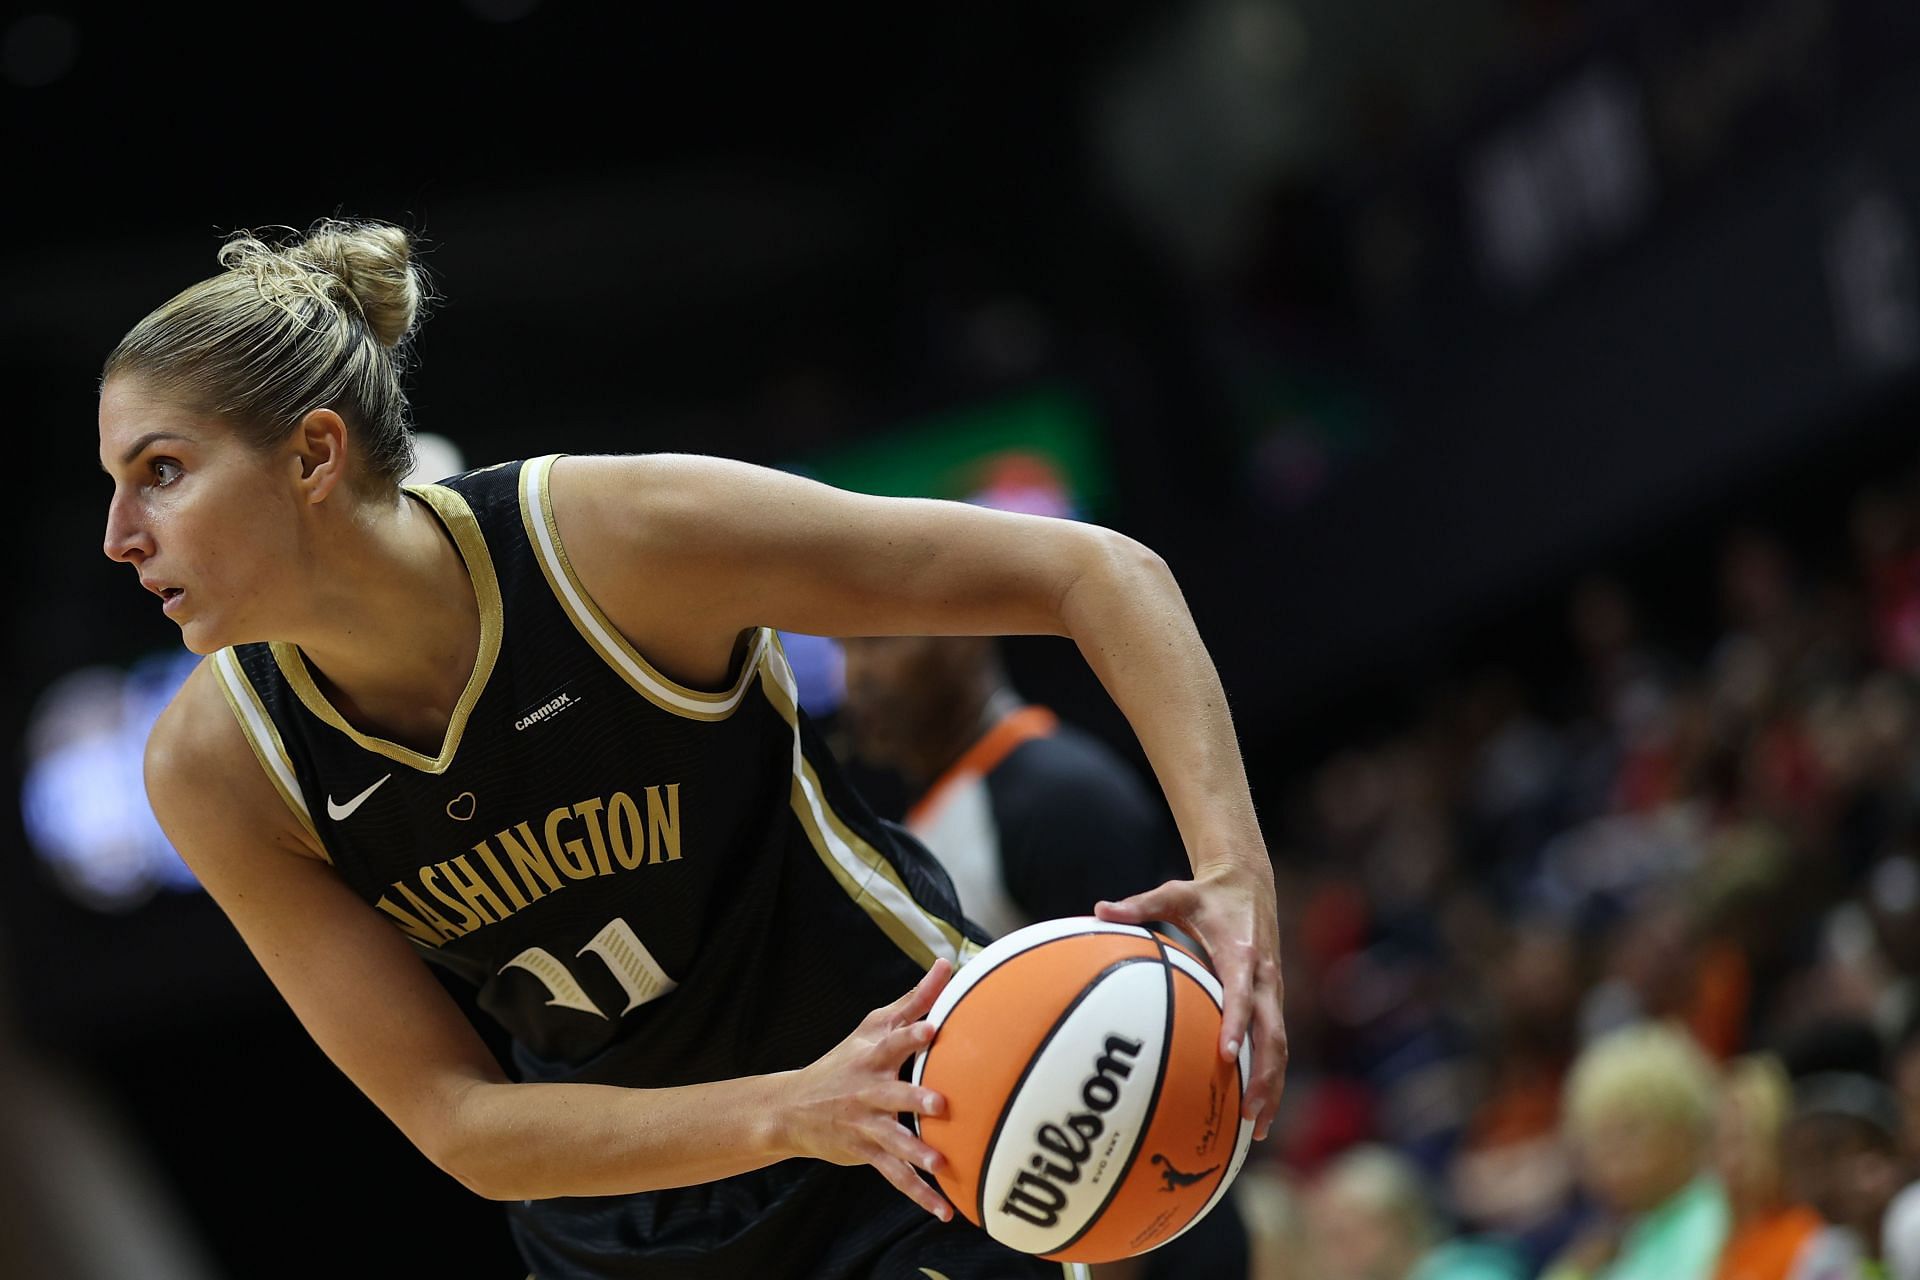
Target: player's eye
column 166, row 471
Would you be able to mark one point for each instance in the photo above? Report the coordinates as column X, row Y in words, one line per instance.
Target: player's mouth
column 170, row 597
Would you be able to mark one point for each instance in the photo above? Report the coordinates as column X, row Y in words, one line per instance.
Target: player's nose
column 127, row 539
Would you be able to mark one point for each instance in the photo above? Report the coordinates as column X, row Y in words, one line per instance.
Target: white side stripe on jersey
column 933, row 936
column 262, row 736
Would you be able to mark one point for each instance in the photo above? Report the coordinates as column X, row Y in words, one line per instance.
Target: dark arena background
column 1522, row 391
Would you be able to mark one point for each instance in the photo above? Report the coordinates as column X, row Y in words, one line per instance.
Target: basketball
column 1089, row 1114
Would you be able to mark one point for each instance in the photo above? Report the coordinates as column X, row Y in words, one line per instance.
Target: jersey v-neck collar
column 453, row 512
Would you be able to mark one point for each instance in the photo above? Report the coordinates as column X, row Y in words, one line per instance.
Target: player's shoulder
column 665, row 501
column 624, row 478
column 197, row 740
column 202, row 773
column 195, row 731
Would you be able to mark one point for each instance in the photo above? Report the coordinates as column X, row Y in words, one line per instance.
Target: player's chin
column 202, row 637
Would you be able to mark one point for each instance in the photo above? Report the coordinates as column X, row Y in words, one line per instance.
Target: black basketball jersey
column 649, row 885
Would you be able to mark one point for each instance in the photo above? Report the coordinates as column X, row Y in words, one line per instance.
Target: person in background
column 1773, row 1237
column 1033, row 819
column 1900, row 1235
column 1842, row 1158
column 1371, row 1219
column 1639, row 1116
column 1273, row 1206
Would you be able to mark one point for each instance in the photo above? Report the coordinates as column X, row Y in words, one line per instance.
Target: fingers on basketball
column 897, row 1153
column 910, row 1184
column 917, row 1001
column 1163, row 902
column 1270, row 1069
column 1234, row 964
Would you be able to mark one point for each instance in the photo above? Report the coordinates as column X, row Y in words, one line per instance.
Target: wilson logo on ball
column 1089, row 1114
column 1039, row 1197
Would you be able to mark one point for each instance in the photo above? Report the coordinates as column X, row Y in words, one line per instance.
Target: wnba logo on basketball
column 1039, row 1197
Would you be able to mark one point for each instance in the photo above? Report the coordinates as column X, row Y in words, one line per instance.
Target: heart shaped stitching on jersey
column 453, row 806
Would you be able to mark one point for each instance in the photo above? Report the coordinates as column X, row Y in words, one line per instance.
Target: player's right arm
column 379, row 1015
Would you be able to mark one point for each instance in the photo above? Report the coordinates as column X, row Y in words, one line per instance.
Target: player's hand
column 846, row 1107
column 1232, row 912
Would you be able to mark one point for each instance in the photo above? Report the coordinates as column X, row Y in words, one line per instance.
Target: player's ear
column 320, row 446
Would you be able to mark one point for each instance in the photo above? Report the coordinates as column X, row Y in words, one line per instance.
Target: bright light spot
column 434, row 458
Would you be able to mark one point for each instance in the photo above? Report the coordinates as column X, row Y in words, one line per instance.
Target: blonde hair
column 319, row 322
column 1648, row 1070
column 1387, row 1183
column 1760, row 1084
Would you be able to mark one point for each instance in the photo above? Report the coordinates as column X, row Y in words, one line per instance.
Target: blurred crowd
column 1618, row 979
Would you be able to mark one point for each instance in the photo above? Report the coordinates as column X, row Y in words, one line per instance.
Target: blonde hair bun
column 320, row 319
column 363, row 267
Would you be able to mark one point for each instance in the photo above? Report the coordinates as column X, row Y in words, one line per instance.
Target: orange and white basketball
column 1089, row 1114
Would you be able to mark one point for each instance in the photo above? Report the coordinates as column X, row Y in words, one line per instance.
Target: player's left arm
column 684, row 553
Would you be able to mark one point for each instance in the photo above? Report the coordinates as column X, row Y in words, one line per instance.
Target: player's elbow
column 1130, row 561
column 1112, row 566
column 473, row 1180
column 468, row 1164
column 1142, row 560
column 458, row 1143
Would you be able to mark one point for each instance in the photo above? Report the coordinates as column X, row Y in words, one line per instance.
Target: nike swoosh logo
column 341, row 812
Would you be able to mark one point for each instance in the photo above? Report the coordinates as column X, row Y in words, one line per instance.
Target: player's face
column 207, row 520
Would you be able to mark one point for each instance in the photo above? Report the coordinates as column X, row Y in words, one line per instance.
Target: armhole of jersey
column 861, row 870
column 536, row 511
column 258, row 728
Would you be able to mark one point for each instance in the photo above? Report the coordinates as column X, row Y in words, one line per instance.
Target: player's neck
column 395, row 625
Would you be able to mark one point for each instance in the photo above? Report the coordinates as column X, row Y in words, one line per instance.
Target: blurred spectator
column 1900, row 1236
column 1759, row 597
column 1640, row 1109
column 1511, row 1173
column 1663, row 964
column 1904, row 1071
column 1276, row 1225
column 1889, row 562
column 1369, row 1218
column 1773, row 1238
column 1842, row 1154
column 1724, row 839
column 1622, row 677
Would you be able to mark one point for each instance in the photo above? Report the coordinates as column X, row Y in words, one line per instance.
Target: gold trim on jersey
column 868, row 878
column 258, row 727
column 536, row 510
column 459, row 520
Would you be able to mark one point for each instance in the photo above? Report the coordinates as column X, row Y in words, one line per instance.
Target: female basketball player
column 533, row 725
